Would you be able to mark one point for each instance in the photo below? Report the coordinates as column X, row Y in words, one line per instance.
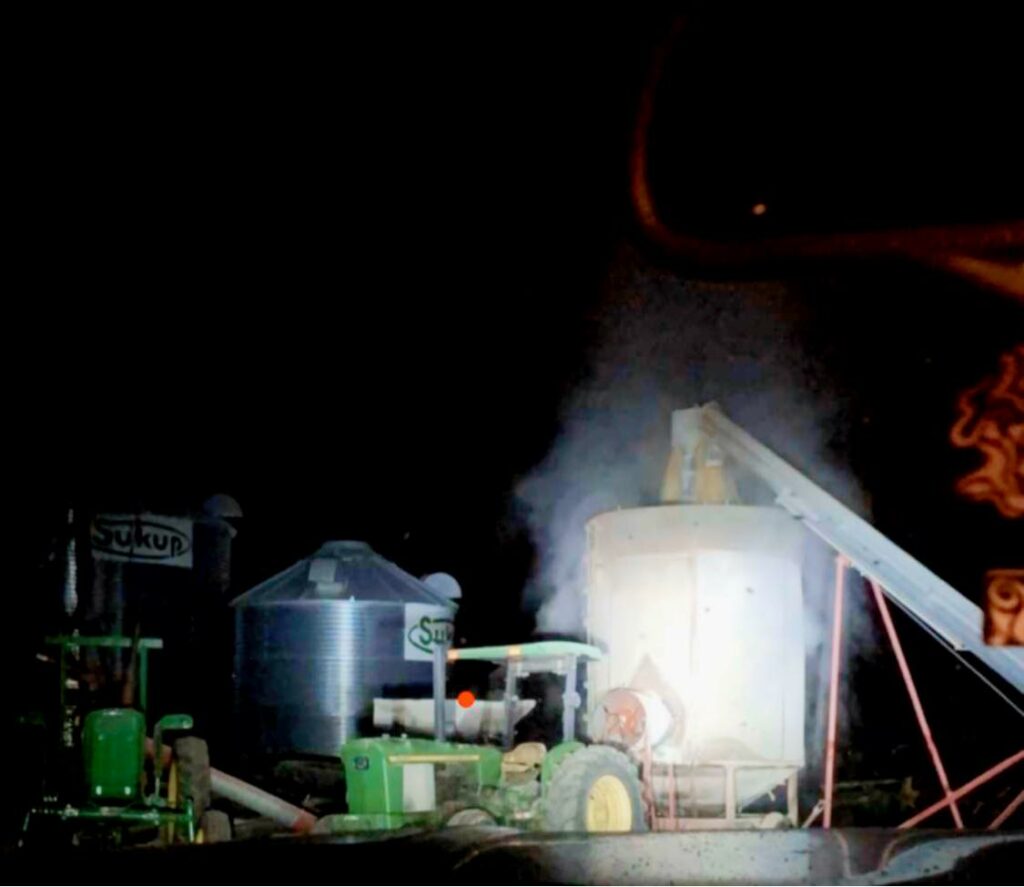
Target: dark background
column 350, row 270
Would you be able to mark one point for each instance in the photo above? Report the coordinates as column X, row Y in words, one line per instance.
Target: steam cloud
column 662, row 344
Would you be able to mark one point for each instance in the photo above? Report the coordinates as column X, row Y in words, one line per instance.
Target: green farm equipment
column 103, row 788
column 396, row 782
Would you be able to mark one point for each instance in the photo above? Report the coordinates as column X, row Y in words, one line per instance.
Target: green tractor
column 102, row 789
column 396, row 782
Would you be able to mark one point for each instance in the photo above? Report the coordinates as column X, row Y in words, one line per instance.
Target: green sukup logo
column 429, row 631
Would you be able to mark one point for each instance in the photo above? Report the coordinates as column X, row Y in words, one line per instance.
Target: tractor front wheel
column 477, row 816
column 596, row 789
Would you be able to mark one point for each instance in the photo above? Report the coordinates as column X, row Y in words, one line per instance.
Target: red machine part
column 622, row 718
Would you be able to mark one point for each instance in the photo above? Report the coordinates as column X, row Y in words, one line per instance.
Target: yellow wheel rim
column 608, row 806
column 172, row 783
column 172, row 797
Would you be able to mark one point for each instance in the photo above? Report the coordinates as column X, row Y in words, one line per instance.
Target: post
column 730, row 792
column 792, row 800
column 570, row 702
column 833, row 693
column 158, row 760
column 915, row 701
column 440, row 690
column 143, row 677
column 511, row 681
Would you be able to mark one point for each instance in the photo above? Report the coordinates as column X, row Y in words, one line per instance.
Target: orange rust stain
column 991, row 420
column 1004, row 608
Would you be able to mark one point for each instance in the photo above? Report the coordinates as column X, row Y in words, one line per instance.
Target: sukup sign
column 426, row 626
column 143, row 538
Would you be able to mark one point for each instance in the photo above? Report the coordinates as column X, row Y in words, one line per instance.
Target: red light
column 465, row 699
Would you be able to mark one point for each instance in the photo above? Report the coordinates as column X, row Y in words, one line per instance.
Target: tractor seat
column 524, row 759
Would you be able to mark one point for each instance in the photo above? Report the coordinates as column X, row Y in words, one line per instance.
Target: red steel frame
column 950, row 796
column 915, row 701
column 1008, row 812
column 969, row 787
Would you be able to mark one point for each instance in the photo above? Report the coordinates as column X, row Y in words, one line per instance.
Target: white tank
column 701, row 606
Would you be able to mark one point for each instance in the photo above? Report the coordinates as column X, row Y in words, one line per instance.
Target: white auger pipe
column 252, row 798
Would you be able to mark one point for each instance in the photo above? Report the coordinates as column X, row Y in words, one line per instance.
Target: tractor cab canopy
column 521, row 660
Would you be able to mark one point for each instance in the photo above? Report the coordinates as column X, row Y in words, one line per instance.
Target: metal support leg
column 570, row 702
column 991, row 773
column 915, row 701
column 812, row 817
column 1008, row 812
column 833, row 693
column 511, row 684
column 792, row 803
column 440, row 691
column 730, row 793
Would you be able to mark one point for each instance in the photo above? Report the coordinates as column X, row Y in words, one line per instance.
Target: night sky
column 352, row 273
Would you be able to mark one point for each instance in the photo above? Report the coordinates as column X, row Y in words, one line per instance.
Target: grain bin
column 316, row 643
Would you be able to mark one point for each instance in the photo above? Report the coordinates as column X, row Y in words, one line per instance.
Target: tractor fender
column 555, row 758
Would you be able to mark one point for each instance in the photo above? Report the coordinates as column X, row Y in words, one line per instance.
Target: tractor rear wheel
column 192, row 767
column 596, row 789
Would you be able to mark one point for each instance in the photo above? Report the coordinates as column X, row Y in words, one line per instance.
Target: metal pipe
column 833, row 693
column 915, row 700
column 440, row 682
column 252, row 798
column 570, row 702
column 991, row 773
column 511, row 685
column 165, row 752
column 1008, row 812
